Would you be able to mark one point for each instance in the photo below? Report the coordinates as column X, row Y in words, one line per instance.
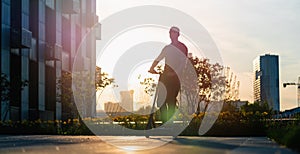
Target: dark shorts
column 168, row 88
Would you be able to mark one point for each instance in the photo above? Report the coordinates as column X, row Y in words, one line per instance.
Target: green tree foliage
column 149, row 83
column 102, row 80
column 6, row 88
column 210, row 83
column 256, row 107
column 150, row 86
column 65, row 85
column 86, row 87
column 229, row 106
column 256, row 111
column 7, row 91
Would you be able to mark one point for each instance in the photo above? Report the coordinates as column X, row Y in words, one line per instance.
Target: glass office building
column 266, row 80
column 39, row 40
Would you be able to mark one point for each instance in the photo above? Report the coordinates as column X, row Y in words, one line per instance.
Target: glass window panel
column 5, row 14
column 5, row 41
column 41, row 51
column 25, row 6
column 50, row 3
column 33, row 50
column 41, row 12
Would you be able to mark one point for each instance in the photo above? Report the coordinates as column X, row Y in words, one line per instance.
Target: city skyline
column 245, row 30
column 106, row 76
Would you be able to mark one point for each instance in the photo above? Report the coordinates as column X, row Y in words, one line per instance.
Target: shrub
column 52, row 127
column 285, row 133
column 292, row 138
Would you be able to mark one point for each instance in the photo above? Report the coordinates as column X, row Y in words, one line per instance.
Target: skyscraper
column 266, row 80
column 127, row 100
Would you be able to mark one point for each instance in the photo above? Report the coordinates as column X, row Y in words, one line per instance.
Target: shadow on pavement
column 204, row 143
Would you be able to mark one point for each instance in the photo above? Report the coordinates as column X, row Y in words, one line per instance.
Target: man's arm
column 152, row 70
column 156, row 61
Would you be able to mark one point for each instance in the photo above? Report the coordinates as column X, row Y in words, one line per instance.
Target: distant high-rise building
column 127, row 100
column 266, row 80
column 110, row 107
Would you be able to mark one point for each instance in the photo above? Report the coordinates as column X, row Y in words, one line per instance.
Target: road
column 138, row 145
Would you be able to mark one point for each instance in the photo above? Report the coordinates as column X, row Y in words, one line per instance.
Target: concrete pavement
column 138, row 144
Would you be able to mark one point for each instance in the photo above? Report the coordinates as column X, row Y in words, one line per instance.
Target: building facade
column 114, row 109
column 266, row 80
column 122, row 108
column 39, row 40
column 127, row 100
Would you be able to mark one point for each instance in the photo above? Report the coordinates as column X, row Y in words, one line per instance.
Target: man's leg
column 171, row 110
column 172, row 90
column 162, row 98
column 163, row 113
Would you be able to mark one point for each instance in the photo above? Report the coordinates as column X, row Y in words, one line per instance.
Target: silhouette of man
column 169, row 85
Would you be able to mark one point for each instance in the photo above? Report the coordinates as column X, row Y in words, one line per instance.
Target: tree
column 5, row 87
column 210, row 84
column 69, row 109
column 231, row 87
column 102, row 80
column 150, row 84
column 256, row 106
column 256, row 110
column 7, row 91
column 86, row 86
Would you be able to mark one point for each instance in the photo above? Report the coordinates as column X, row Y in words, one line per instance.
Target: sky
column 242, row 30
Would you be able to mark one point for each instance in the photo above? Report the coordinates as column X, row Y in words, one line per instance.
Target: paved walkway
column 138, row 145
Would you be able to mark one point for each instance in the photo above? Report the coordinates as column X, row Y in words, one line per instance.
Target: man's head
column 174, row 33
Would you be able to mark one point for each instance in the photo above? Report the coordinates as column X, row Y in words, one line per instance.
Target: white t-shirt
column 175, row 56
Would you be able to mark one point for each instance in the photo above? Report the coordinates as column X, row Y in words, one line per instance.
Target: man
column 169, row 84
